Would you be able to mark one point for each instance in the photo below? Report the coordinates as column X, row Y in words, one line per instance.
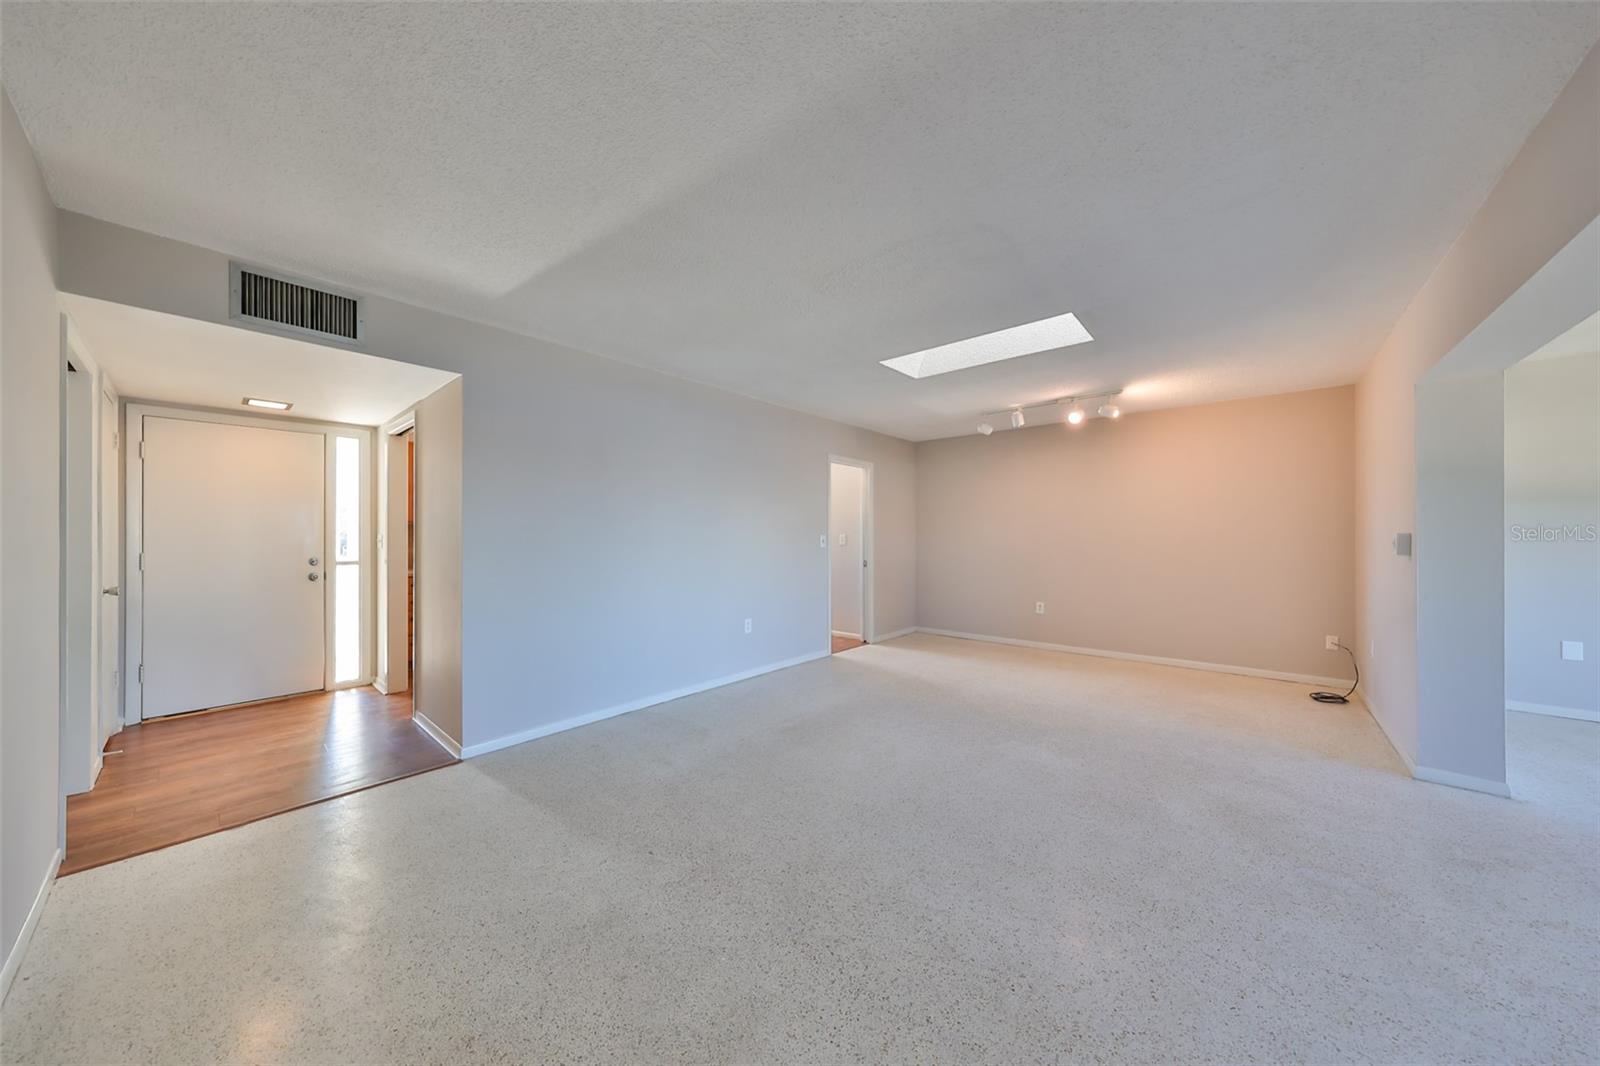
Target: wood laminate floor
column 184, row 777
column 846, row 643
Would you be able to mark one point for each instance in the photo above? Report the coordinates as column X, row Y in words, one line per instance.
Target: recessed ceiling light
column 268, row 405
column 1044, row 335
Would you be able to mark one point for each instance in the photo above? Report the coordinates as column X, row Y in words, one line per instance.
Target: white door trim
column 79, row 756
column 383, row 671
column 133, row 580
column 870, row 569
column 111, row 695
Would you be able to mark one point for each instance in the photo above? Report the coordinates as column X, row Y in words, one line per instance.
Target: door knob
column 312, row 576
column 114, row 590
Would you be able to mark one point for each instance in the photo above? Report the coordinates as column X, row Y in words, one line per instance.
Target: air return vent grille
column 294, row 305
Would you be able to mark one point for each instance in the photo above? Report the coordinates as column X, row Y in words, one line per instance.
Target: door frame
column 133, row 525
column 110, row 718
column 869, row 567
column 83, row 711
column 383, row 679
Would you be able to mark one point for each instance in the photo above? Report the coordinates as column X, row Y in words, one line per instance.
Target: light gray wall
column 1548, row 194
column 618, row 525
column 30, row 529
column 1460, row 552
column 844, row 520
column 1219, row 534
column 438, row 607
column 1552, row 502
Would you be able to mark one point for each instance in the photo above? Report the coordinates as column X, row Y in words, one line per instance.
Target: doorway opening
column 1552, row 566
column 90, row 618
column 1480, row 643
column 849, row 553
column 410, row 436
column 397, row 562
column 239, row 544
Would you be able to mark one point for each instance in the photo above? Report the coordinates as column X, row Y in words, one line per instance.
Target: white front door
column 110, row 705
column 233, row 573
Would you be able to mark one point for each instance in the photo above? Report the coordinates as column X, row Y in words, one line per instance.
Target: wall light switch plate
column 1038, row 608
column 1572, row 651
column 1402, row 543
column 844, row 538
column 822, row 542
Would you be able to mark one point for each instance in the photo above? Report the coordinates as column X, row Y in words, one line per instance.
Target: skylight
column 1044, row 335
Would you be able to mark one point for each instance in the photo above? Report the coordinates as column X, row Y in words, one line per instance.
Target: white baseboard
column 20, row 948
column 1187, row 664
column 444, row 739
column 1455, row 780
column 1553, row 711
column 485, row 747
column 381, row 685
column 842, row 633
column 906, row 632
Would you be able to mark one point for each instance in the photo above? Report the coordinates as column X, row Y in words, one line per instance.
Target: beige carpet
column 929, row 850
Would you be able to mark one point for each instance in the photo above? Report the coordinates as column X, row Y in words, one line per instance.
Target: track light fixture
column 1077, row 410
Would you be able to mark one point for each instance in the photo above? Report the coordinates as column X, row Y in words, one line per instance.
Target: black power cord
column 1335, row 697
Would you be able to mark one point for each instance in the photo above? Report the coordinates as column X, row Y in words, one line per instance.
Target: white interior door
column 846, row 496
column 233, row 568
column 110, row 633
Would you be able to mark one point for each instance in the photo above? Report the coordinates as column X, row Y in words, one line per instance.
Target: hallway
column 179, row 778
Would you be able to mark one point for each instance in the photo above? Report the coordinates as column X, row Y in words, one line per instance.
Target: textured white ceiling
column 1236, row 199
column 155, row 356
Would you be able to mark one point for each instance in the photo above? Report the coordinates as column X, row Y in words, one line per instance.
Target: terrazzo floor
column 929, row 850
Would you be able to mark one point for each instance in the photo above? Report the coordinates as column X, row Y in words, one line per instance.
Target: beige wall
column 1550, row 192
column 30, row 529
column 1219, row 534
column 437, row 686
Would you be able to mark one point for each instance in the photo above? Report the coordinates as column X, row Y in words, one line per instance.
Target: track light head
column 985, row 428
column 1110, row 410
column 1017, row 421
column 1076, row 415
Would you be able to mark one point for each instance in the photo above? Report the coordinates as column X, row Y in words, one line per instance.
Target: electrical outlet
column 1038, row 608
column 1330, row 643
column 747, row 625
column 844, row 538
